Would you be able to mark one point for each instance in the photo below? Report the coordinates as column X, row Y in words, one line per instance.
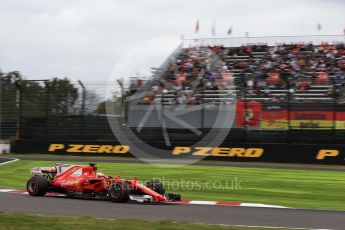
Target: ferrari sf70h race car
column 85, row 181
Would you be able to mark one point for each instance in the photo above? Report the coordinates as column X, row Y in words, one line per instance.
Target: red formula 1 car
column 85, row 181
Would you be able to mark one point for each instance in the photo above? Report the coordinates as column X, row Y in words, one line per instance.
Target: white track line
column 202, row 202
column 6, row 190
column 11, row 161
column 261, row 205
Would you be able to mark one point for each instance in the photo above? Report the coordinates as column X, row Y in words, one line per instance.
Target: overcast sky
column 86, row 39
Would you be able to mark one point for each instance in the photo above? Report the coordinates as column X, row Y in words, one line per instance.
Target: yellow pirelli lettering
column 74, row 148
column 220, row 152
column 105, row 149
column 121, row 149
column 54, row 147
column 253, row 152
column 323, row 153
column 178, row 150
column 239, row 152
column 202, row 151
column 90, row 149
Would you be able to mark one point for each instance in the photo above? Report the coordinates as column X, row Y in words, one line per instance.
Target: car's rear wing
column 42, row 170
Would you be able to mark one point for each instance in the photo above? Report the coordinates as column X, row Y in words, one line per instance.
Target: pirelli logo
column 219, row 152
column 327, row 154
column 176, row 151
column 78, row 148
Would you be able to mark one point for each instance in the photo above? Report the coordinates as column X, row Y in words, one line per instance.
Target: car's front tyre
column 119, row 192
column 156, row 186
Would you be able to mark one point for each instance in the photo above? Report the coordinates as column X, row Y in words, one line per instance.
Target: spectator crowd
column 300, row 72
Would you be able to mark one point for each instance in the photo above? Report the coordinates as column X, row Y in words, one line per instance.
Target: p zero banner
column 282, row 153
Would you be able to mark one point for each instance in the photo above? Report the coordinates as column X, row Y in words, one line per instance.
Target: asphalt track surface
column 249, row 216
column 177, row 212
column 3, row 160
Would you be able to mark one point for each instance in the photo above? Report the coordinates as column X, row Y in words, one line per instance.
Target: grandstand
column 276, row 86
column 305, row 72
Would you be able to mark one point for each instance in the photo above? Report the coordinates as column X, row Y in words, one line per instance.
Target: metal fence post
column 126, row 109
column 289, row 111
column 19, row 106
column 0, row 104
column 203, row 108
column 47, row 108
column 334, row 130
column 122, row 97
column 82, row 121
column 245, row 114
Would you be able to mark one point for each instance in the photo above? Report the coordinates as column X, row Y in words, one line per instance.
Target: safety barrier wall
column 238, row 152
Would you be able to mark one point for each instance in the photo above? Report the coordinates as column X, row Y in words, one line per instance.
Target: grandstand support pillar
column 82, row 121
column 120, row 82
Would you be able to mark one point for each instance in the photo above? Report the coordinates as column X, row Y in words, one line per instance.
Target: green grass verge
column 14, row 221
column 292, row 188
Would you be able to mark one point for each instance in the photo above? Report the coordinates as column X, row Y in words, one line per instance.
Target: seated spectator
column 182, row 99
column 273, row 78
column 322, row 78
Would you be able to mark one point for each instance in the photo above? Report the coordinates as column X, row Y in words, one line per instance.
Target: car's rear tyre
column 156, row 186
column 119, row 192
column 37, row 186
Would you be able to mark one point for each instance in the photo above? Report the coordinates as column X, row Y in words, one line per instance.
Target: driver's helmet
column 99, row 174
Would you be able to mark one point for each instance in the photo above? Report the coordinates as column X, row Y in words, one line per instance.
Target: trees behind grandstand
column 62, row 96
column 53, row 97
column 36, row 98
